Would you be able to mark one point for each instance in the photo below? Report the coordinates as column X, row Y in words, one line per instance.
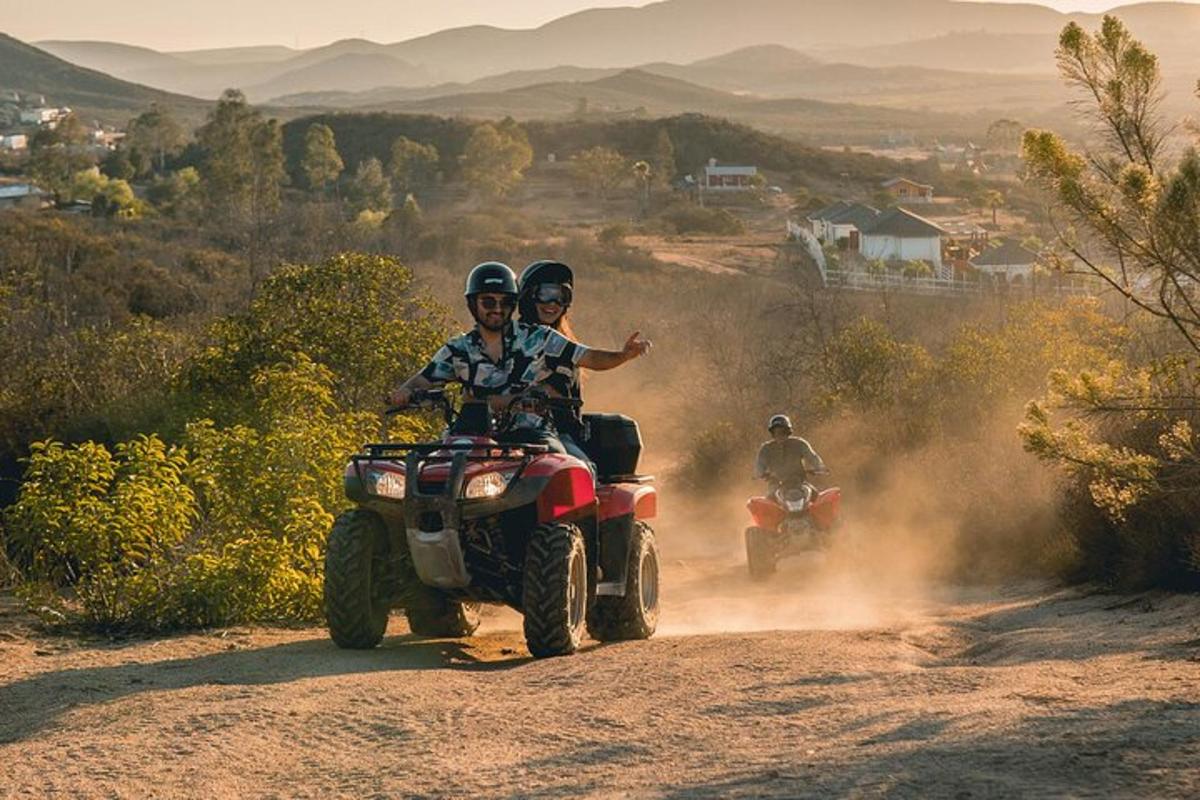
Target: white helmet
column 778, row 420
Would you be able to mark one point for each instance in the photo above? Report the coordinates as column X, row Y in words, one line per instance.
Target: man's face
column 493, row 310
column 779, row 433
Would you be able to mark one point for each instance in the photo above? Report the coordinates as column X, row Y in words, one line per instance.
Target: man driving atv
column 787, row 460
column 501, row 358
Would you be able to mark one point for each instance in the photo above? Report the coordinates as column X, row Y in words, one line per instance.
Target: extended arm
column 601, row 360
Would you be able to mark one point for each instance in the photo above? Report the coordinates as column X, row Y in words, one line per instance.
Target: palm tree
column 641, row 174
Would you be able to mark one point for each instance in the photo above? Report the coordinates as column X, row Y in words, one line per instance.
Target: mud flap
column 613, row 540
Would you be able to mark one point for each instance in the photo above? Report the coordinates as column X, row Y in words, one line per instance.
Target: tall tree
column 662, row 158
column 495, row 158
column 369, row 189
column 57, row 154
column 321, row 162
column 1126, row 213
column 267, row 169
column 414, row 165
column 993, row 199
column 155, row 135
column 599, row 170
column 242, row 164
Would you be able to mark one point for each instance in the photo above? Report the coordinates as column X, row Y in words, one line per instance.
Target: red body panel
column 826, row 509
column 765, row 512
column 618, row 500
column 570, row 490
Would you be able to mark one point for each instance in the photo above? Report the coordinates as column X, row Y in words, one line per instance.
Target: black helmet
column 779, row 420
column 545, row 272
column 491, row 276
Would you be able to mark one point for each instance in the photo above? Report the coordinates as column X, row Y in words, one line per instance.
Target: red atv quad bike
column 442, row 527
column 793, row 518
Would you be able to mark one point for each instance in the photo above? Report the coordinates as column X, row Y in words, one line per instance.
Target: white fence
column 862, row 281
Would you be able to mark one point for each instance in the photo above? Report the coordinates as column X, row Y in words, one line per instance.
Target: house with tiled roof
column 900, row 235
column 1010, row 259
column 842, row 222
column 909, row 191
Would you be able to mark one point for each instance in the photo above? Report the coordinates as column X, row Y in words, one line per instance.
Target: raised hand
column 636, row 346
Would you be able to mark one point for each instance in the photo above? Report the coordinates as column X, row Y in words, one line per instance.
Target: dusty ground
column 1022, row 691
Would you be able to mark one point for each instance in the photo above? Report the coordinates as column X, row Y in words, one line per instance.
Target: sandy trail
column 960, row 693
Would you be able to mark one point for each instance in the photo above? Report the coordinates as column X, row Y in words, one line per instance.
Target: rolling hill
column 26, row 69
column 700, row 33
column 634, row 93
column 769, row 71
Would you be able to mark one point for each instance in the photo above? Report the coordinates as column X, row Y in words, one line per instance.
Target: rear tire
column 357, row 597
column 555, row 591
column 440, row 617
column 760, row 553
column 634, row 616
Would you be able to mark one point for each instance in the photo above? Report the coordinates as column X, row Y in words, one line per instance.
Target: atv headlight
column 487, row 485
column 385, row 483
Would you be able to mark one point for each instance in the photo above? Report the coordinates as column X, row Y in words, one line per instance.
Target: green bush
column 104, row 524
column 228, row 528
column 360, row 315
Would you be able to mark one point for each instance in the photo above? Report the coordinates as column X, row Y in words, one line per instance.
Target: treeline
column 696, row 138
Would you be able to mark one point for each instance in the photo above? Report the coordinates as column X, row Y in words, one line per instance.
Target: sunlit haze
column 173, row 25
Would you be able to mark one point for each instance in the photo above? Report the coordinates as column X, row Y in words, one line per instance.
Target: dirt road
column 1023, row 691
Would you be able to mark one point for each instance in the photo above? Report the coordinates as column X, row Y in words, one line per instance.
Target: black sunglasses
column 493, row 303
column 553, row 293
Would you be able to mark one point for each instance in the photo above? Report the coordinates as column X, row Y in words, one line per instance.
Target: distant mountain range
column 28, row 70
column 936, row 34
column 762, row 72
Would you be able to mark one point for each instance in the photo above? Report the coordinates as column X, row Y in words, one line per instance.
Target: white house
column 13, row 141
column 1009, row 259
column 900, row 235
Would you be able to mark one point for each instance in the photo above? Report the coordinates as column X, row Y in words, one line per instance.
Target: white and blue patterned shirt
column 532, row 355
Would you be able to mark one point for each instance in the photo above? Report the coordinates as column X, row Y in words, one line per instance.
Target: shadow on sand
column 34, row 703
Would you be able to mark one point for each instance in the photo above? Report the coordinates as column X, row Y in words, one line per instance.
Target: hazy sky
column 186, row 24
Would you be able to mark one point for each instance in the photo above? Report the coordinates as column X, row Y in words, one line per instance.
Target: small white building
column 1010, row 260
column 900, row 235
column 43, row 115
column 13, row 141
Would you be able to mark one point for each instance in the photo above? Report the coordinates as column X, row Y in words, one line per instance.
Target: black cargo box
column 614, row 443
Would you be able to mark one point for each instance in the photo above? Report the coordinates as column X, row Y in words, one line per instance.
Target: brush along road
column 1026, row 691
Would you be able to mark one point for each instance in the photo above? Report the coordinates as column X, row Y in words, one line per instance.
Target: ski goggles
column 552, row 293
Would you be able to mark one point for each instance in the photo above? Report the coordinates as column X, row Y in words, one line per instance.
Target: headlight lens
column 384, row 483
column 487, row 485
